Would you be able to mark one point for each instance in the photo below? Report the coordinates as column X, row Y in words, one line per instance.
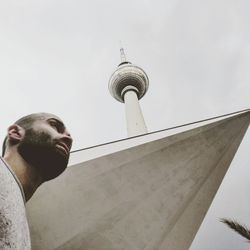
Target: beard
column 39, row 150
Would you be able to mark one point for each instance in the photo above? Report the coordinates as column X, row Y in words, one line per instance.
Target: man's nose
column 67, row 139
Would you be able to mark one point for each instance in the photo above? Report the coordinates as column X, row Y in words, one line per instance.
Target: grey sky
column 57, row 56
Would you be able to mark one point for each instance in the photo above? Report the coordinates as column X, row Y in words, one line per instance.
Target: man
column 36, row 149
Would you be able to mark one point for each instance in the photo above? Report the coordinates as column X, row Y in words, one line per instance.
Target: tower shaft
column 135, row 121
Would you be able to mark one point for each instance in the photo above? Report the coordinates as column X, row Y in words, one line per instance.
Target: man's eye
column 55, row 125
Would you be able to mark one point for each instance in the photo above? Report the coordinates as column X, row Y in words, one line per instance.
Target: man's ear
column 15, row 134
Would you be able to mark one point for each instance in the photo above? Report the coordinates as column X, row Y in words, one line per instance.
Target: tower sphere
column 128, row 76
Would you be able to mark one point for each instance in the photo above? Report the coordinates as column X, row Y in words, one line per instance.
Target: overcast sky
column 57, row 56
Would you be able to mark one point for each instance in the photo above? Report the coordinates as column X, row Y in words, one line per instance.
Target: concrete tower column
column 134, row 118
column 128, row 84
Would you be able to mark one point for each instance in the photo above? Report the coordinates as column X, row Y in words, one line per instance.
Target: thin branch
column 242, row 230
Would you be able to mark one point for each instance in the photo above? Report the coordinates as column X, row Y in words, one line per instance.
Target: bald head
column 27, row 121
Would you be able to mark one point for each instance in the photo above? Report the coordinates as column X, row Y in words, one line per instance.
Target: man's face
column 46, row 146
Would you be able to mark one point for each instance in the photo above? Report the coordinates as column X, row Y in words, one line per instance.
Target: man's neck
column 26, row 174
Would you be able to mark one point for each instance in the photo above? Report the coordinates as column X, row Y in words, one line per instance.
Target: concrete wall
column 152, row 196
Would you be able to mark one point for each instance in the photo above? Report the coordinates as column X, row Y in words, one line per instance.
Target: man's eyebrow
column 59, row 122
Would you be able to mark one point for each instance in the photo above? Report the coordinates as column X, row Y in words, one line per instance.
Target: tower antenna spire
column 122, row 53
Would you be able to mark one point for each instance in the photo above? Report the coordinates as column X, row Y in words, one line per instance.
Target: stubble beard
column 40, row 152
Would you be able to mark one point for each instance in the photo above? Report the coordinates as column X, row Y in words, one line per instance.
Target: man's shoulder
column 7, row 180
column 14, row 232
column 8, row 183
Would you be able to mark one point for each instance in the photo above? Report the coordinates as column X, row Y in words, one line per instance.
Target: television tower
column 128, row 84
